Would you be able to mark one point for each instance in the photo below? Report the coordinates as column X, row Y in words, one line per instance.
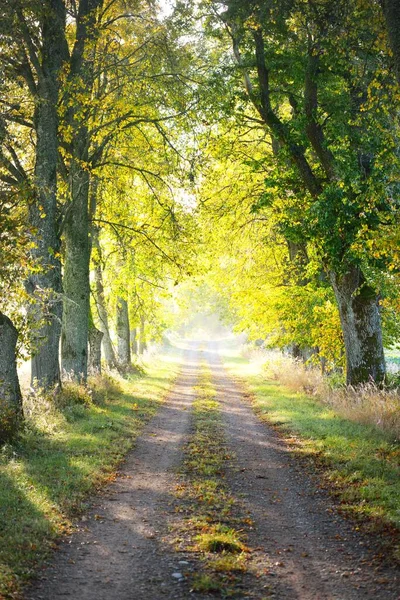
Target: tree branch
column 140, row 232
column 26, row 35
column 314, row 130
column 277, row 127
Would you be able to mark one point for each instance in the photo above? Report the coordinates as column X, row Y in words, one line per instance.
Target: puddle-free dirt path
column 301, row 548
column 304, row 550
column 119, row 552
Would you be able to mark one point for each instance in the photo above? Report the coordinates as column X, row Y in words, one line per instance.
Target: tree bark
column 123, row 334
column 95, row 337
column 101, row 305
column 74, row 340
column 134, row 344
column 10, row 393
column 361, row 325
column 142, row 346
column 45, row 286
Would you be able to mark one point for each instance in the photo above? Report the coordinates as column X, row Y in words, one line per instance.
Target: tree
column 294, row 59
column 10, row 393
column 123, row 334
column 33, row 36
column 113, row 86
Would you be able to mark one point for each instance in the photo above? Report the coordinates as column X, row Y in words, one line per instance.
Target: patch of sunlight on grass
column 64, row 454
column 242, row 367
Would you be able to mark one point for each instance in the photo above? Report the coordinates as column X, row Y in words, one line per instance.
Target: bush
column 294, row 374
column 46, row 409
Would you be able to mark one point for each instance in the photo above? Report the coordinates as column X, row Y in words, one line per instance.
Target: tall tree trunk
column 101, row 305
column 361, row 325
column 123, row 334
column 45, row 285
column 10, row 393
column 95, row 337
column 134, row 344
column 142, row 346
column 74, row 340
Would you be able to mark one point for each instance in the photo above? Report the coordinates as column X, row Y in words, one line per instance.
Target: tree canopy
column 248, row 146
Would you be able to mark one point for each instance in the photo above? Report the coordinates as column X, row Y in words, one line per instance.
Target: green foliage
column 300, row 169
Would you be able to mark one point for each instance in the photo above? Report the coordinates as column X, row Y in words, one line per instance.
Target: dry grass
column 367, row 404
column 294, row 374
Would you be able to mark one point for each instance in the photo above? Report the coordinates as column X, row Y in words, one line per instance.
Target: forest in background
column 240, row 156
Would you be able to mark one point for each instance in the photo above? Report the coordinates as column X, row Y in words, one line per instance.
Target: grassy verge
column 213, row 527
column 65, row 453
column 361, row 464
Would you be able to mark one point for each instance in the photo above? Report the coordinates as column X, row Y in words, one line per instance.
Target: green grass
column 64, row 455
column 361, row 464
column 213, row 526
column 220, row 539
column 203, row 583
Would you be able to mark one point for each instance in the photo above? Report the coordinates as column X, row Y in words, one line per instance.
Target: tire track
column 303, row 548
column 119, row 551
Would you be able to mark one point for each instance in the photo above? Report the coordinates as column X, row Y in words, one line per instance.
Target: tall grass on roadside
column 367, row 404
column 294, row 374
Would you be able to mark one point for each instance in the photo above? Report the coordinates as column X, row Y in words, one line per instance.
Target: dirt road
column 301, row 547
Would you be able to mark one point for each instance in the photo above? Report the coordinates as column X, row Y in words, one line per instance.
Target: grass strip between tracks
column 213, row 526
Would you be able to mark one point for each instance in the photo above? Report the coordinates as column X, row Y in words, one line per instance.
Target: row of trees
column 307, row 99
column 279, row 119
column 92, row 98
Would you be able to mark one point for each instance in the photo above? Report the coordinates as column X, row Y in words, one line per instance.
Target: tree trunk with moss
column 10, row 393
column 95, row 338
column 361, row 325
column 74, row 341
column 45, row 284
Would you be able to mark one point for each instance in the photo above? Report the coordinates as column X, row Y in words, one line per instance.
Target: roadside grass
column 361, row 464
column 368, row 404
column 71, row 446
column 213, row 527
